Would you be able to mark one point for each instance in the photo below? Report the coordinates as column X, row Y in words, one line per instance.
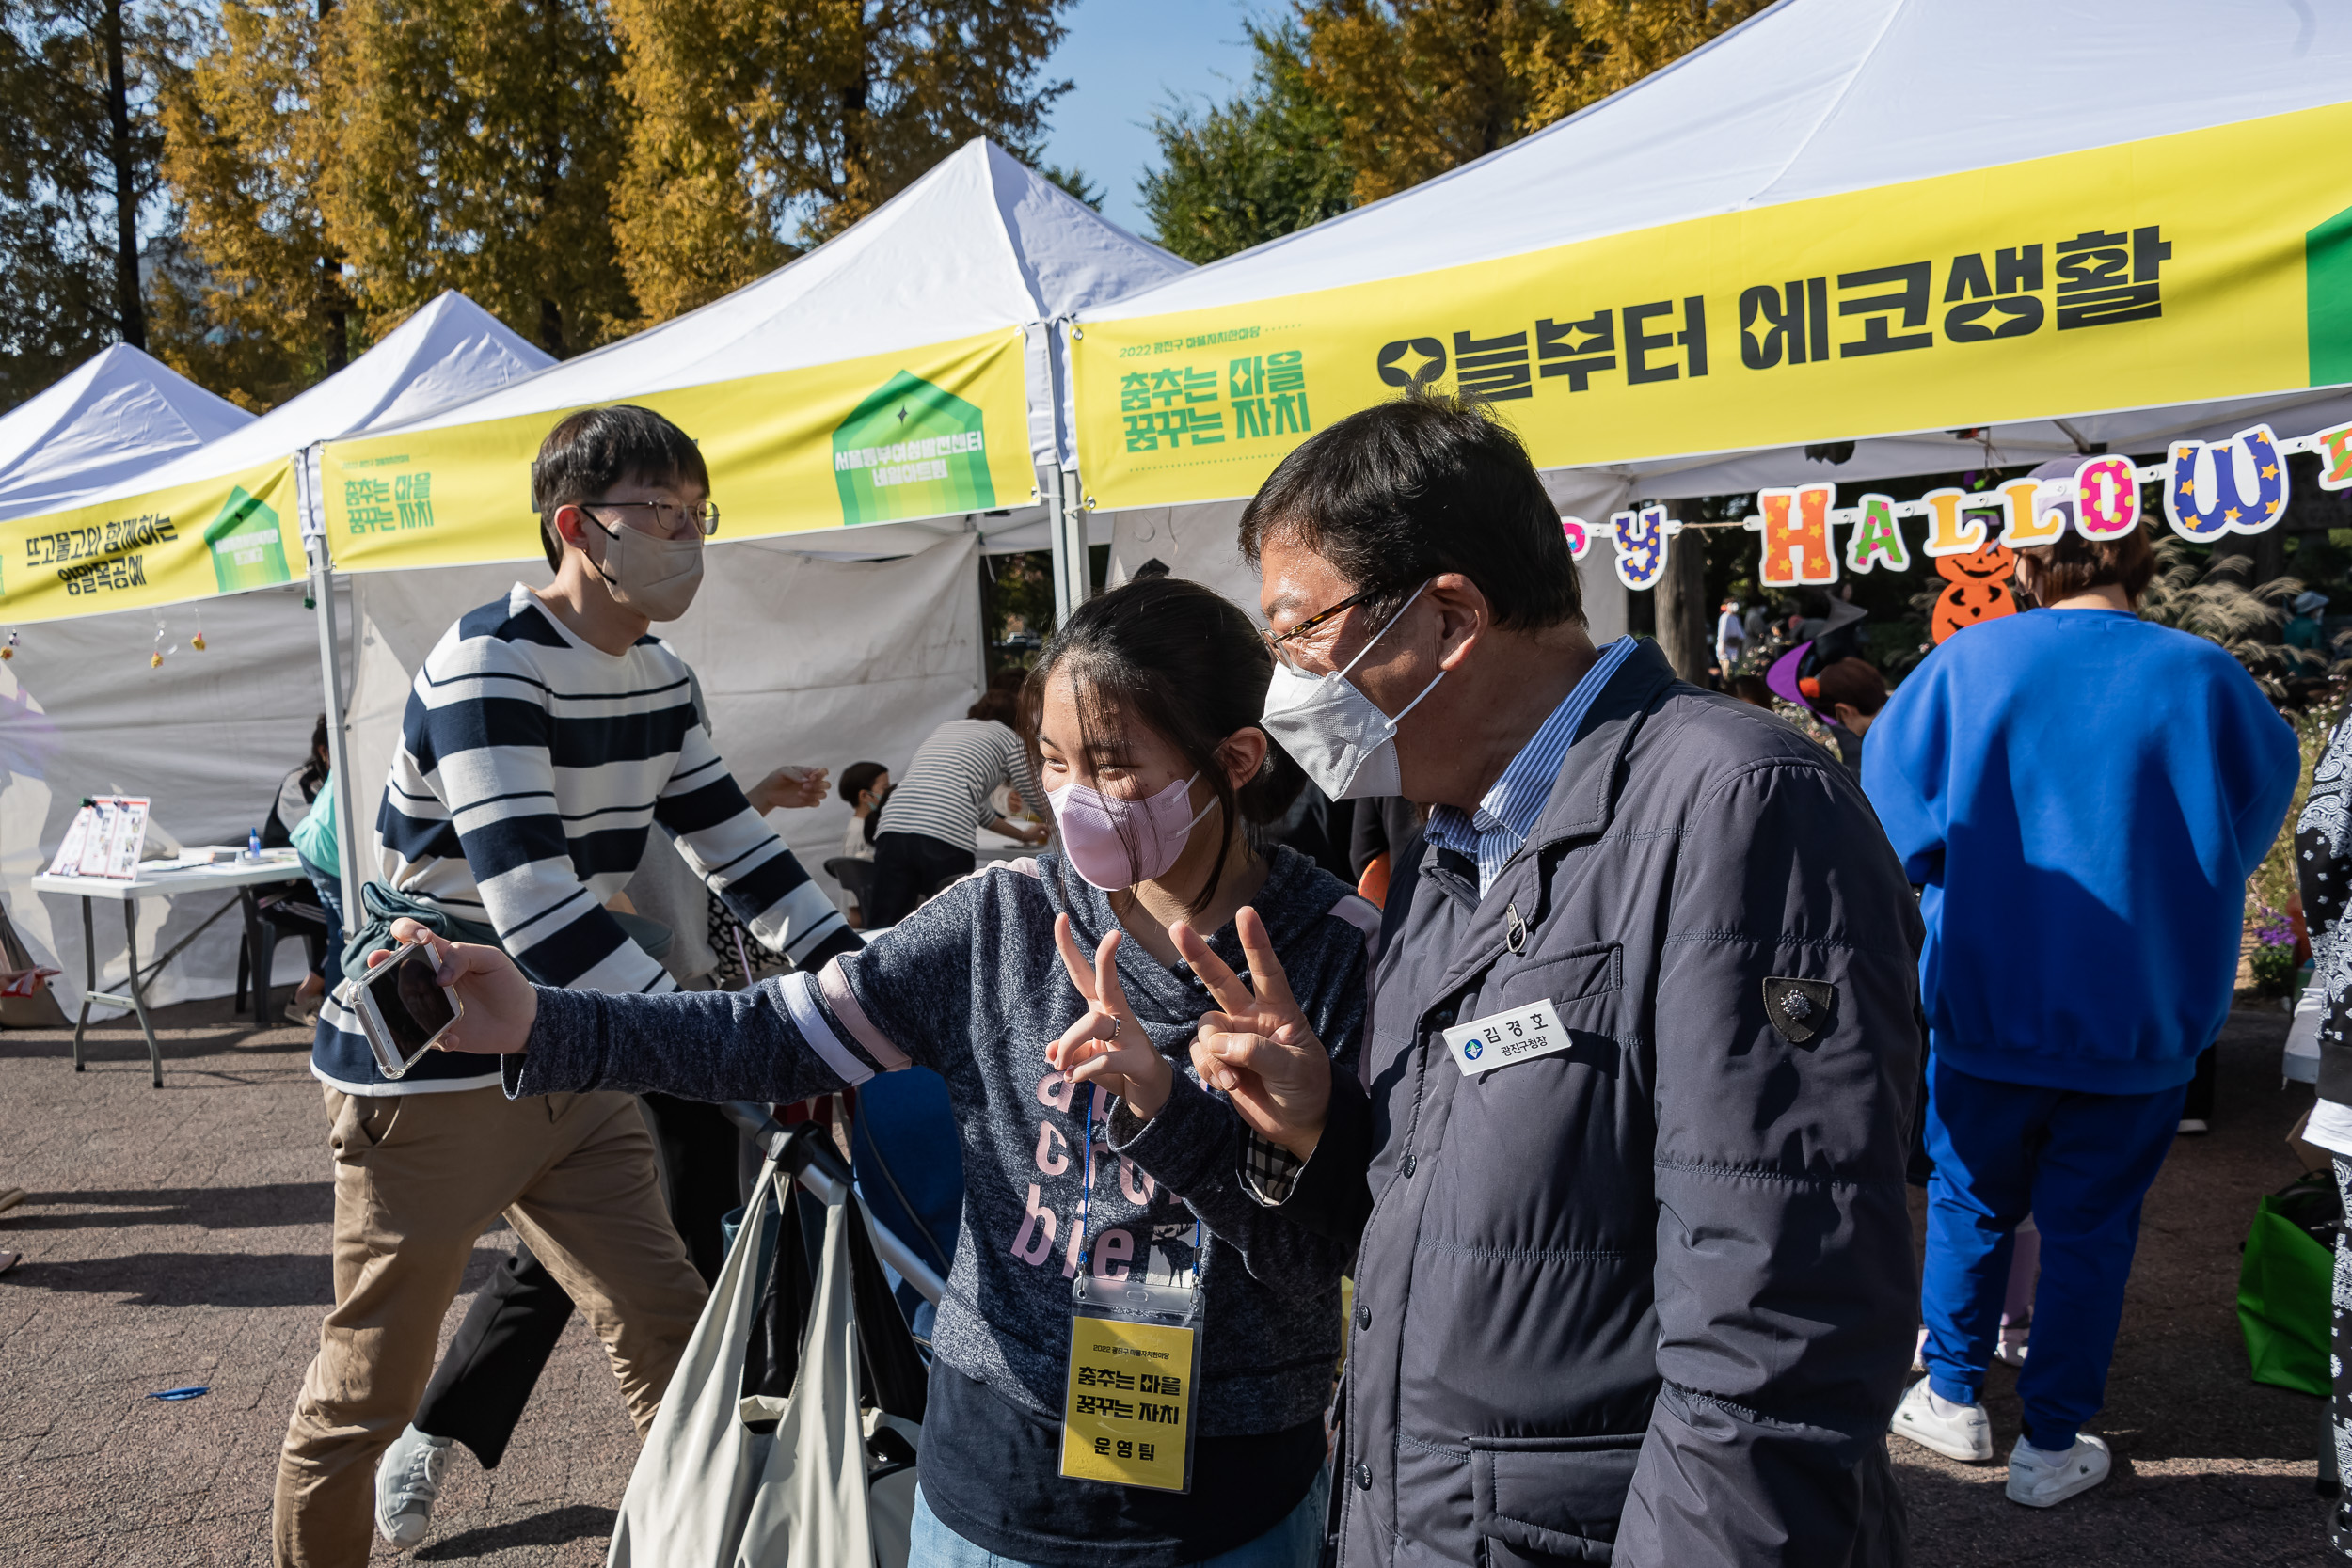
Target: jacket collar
column 1585, row 798
column 1581, row 803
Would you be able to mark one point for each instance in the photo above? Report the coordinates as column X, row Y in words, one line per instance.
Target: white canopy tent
column 815, row 645
column 1808, row 101
column 119, row 412
column 208, row 734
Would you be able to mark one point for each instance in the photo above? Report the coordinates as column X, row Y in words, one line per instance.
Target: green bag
column 2285, row 1290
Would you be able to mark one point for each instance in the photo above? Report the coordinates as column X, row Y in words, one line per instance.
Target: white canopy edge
column 981, row 242
column 118, row 413
column 1816, row 98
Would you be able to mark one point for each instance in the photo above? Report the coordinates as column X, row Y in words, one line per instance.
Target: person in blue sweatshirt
column 2080, row 796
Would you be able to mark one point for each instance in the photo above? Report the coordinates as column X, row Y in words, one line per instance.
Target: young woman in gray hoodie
column 1148, row 746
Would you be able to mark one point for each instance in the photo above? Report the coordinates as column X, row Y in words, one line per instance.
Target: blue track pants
column 2080, row 1163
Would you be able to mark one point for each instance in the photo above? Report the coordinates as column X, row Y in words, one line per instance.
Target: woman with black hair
column 1051, row 996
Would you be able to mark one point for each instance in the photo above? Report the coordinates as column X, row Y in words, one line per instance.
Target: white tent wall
column 802, row 660
column 1204, row 543
column 208, row 737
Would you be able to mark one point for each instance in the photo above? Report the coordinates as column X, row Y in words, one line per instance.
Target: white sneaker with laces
column 407, row 1485
column 1960, row 1432
column 2041, row 1479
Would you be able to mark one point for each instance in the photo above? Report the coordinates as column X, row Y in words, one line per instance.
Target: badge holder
column 1135, row 1365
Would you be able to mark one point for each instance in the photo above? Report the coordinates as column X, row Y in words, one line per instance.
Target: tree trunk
column 1682, row 609
column 334, row 302
column 129, row 308
column 550, row 187
column 334, row 311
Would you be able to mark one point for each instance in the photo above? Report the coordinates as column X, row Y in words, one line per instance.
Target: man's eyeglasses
column 667, row 519
column 1320, row 618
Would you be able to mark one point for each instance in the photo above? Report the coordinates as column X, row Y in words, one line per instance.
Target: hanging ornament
column 7, row 649
column 197, row 640
column 155, row 660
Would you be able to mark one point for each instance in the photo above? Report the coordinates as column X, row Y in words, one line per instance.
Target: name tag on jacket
column 1499, row 1039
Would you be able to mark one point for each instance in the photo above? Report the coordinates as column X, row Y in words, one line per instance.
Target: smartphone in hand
column 403, row 1008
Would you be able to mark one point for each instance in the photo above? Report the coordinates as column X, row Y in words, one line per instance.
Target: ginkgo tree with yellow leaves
column 478, row 143
column 757, row 128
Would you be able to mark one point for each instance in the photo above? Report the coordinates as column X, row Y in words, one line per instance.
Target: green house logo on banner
column 910, row 449
column 246, row 550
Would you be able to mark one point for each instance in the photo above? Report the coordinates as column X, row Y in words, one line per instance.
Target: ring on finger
column 1117, row 1023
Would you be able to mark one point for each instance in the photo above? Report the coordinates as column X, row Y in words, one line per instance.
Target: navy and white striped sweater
column 971, row 987
column 531, row 769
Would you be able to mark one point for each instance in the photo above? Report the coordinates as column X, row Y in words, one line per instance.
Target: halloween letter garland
column 2210, row 488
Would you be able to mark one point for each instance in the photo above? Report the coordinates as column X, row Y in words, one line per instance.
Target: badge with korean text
column 1127, row 1411
column 1499, row 1039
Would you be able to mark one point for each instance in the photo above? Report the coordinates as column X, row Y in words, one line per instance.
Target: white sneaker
column 407, row 1485
column 2041, row 1479
column 1960, row 1432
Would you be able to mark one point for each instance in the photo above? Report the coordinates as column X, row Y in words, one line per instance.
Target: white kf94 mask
column 1336, row 733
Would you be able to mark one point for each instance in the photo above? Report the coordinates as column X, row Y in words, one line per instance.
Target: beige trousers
column 417, row 1178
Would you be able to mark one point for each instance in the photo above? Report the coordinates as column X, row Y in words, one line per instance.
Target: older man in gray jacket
column 1626, row 1161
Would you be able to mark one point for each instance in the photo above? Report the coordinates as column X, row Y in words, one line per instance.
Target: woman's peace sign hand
column 1260, row 1050
column 1108, row 1046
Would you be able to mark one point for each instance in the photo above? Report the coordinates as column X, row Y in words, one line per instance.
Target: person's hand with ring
column 1108, row 1046
column 1260, row 1049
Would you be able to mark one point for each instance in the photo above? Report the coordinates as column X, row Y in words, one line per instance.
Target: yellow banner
column 933, row 432
column 2210, row 264
column 193, row 541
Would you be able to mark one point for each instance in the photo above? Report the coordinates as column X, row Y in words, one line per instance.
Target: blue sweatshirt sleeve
column 1904, row 769
column 2261, row 761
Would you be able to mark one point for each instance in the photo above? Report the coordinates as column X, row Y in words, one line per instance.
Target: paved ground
column 179, row 1237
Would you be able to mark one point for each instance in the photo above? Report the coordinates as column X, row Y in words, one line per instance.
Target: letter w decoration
column 2233, row 487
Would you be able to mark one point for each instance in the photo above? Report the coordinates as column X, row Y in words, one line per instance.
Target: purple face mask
column 1091, row 837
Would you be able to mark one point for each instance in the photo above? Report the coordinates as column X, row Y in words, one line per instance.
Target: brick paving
column 179, row 1237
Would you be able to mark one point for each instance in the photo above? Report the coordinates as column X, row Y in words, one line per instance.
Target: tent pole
column 330, row 673
column 1073, row 570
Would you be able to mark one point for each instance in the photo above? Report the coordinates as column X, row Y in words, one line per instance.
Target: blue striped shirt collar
column 1508, row 813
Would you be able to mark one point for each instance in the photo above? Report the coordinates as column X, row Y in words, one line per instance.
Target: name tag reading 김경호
column 1499, row 1039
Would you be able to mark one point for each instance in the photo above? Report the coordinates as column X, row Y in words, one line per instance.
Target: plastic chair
column 271, row 913
column 856, row 877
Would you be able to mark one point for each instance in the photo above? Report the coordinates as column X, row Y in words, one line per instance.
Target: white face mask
column 1336, row 733
column 656, row 578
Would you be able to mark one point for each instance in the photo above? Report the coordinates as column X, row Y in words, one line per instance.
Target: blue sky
column 1129, row 57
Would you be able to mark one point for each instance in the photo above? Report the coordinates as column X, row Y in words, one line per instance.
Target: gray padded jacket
column 1649, row 1297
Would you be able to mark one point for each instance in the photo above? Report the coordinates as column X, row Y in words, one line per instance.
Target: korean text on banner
column 2209, row 264
column 193, row 541
column 927, row 433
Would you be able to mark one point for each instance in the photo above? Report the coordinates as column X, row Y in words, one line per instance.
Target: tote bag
column 731, row 1481
column 2284, row 1297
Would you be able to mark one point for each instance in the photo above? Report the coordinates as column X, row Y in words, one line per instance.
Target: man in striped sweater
column 547, row 735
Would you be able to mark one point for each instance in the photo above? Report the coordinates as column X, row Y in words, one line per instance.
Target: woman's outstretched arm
column 778, row 1041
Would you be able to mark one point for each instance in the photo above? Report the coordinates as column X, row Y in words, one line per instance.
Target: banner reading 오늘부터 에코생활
column 931, row 431
column 2207, row 264
column 195, row 540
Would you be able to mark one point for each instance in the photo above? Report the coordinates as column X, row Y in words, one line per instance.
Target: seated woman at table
column 1054, row 996
column 926, row 833
column 303, row 815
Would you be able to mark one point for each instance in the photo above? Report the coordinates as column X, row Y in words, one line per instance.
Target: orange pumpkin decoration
column 1977, row 589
